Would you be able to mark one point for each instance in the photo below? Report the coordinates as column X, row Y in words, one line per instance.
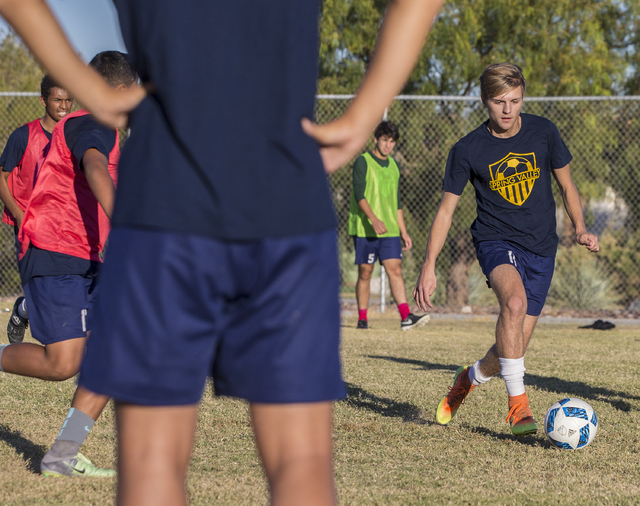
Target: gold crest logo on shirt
column 513, row 177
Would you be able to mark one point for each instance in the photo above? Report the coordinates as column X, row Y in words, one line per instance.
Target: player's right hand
column 425, row 286
column 339, row 141
column 379, row 227
column 113, row 108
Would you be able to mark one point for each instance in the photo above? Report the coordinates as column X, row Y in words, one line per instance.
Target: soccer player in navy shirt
column 510, row 160
column 26, row 145
column 242, row 237
column 63, row 233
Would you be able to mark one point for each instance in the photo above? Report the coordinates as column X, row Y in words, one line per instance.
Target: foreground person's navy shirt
column 217, row 149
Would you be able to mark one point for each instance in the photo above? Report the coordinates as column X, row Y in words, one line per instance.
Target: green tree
column 564, row 47
column 19, row 71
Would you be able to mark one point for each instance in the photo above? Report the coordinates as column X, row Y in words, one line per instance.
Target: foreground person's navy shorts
column 260, row 317
column 536, row 271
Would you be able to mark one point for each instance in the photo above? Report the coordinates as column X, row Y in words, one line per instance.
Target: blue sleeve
column 83, row 133
column 458, row 170
column 559, row 154
column 15, row 148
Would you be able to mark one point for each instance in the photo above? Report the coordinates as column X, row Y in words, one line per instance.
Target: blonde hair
column 498, row 78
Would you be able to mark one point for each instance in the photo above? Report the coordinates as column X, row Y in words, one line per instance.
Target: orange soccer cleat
column 457, row 393
column 520, row 416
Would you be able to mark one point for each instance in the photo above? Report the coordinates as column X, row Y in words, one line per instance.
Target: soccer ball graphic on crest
column 571, row 424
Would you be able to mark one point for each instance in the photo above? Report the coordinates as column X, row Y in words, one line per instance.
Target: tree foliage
column 565, row 47
column 19, row 71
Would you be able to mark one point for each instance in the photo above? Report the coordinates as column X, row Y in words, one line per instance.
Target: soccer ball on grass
column 571, row 424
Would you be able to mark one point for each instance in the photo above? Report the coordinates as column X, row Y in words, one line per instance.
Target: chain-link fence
column 603, row 134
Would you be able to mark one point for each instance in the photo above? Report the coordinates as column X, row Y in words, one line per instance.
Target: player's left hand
column 588, row 240
column 407, row 241
column 339, row 140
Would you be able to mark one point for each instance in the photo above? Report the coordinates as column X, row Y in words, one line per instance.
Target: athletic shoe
column 414, row 321
column 77, row 466
column 452, row 401
column 521, row 420
column 17, row 324
column 363, row 324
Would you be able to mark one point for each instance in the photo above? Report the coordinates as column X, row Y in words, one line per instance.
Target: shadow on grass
column 360, row 398
column 421, row 364
column 562, row 387
column 582, row 390
column 531, row 440
column 31, row 453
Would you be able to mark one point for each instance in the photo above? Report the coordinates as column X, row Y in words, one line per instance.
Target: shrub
column 581, row 281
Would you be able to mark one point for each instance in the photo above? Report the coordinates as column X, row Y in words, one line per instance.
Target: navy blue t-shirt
column 80, row 133
column 16, row 146
column 512, row 178
column 217, row 149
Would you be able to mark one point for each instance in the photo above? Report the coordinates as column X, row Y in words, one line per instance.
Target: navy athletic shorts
column 262, row 318
column 536, row 271
column 370, row 249
column 59, row 306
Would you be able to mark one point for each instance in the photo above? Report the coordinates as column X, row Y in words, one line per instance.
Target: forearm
column 8, row 200
column 401, row 37
column 104, row 190
column 96, row 170
column 366, row 209
column 437, row 237
column 573, row 206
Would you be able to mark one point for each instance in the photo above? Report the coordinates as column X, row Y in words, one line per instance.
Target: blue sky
column 91, row 25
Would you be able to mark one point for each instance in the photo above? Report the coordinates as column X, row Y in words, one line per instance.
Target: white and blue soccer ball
column 571, row 424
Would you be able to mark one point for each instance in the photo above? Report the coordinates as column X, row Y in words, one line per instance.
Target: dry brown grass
column 388, row 449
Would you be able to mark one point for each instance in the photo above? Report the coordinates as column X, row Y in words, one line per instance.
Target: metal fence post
column 383, row 290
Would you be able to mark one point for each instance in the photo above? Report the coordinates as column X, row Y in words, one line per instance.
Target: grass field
column 388, row 449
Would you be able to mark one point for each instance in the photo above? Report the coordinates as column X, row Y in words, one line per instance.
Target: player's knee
column 394, row 271
column 63, row 370
column 516, row 305
column 365, row 274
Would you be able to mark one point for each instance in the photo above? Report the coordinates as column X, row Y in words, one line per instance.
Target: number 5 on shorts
column 372, row 258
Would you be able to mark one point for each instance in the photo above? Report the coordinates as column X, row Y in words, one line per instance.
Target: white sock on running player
column 475, row 375
column 512, row 370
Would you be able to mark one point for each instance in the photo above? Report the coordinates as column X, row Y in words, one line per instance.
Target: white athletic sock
column 512, row 370
column 2, row 347
column 22, row 309
column 475, row 375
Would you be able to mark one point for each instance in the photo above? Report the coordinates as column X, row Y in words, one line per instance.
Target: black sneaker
column 363, row 324
column 17, row 324
column 414, row 321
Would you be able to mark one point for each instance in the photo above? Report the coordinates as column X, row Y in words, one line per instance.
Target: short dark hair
column 387, row 128
column 114, row 67
column 45, row 86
